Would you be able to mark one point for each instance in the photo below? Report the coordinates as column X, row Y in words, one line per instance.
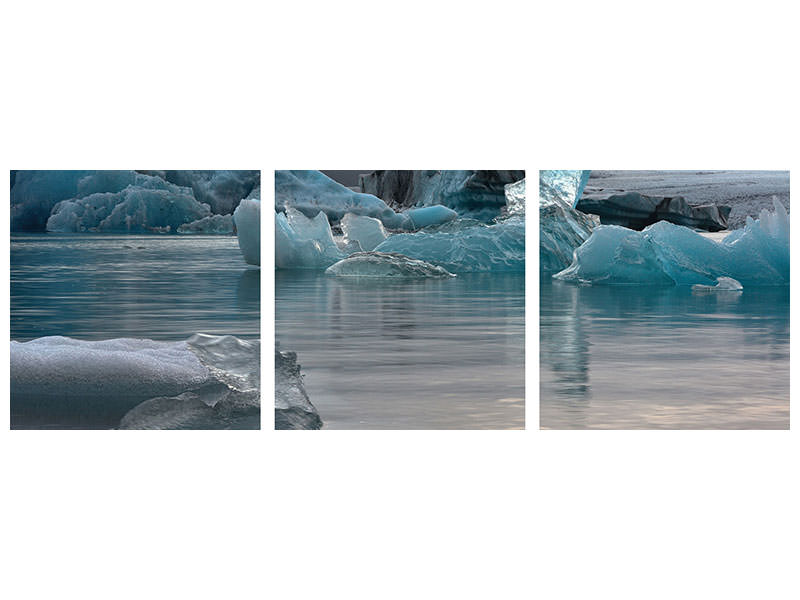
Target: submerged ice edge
column 204, row 382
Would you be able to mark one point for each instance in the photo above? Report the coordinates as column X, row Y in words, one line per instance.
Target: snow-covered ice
column 384, row 264
column 515, row 198
column 724, row 284
column 247, row 218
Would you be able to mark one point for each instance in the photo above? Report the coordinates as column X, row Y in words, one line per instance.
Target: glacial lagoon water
column 412, row 354
column 160, row 287
column 644, row 357
column 161, row 290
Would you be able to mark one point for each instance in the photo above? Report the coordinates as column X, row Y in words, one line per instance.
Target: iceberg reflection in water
column 417, row 354
column 622, row 357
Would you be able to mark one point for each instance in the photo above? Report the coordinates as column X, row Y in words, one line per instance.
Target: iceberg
column 562, row 229
column 247, row 218
column 219, row 224
column 428, row 216
column 471, row 247
column 382, row 264
column 80, row 382
column 724, row 284
column 293, row 409
column 150, row 204
column 303, row 243
column 477, row 194
column 312, row 191
column 221, row 190
column 669, row 254
column 365, row 231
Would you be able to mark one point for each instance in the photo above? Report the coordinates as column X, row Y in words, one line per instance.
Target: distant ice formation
column 669, row 254
column 59, row 378
column 475, row 194
column 383, row 264
column 561, row 228
column 125, row 201
column 293, row 409
column 247, row 218
column 212, row 224
column 515, row 198
column 636, row 211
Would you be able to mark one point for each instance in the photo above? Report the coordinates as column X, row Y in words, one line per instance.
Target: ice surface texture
column 312, row 191
column 303, row 243
column 561, row 228
column 293, row 409
column 366, row 231
column 471, row 247
column 515, row 198
column 382, row 264
column 75, row 379
column 212, row 224
column 247, row 218
column 122, row 201
column 669, row 254
column 476, row 194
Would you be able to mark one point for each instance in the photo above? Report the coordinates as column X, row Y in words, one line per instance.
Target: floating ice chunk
column 665, row 253
column 293, row 409
column 477, row 194
column 311, row 192
column 368, row 232
column 67, row 368
column 303, row 243
column 561, row 228
column 231, row 399
column 427, row 216
column 515, row 198
column 724, row 284
column 384, row 264
column 222, row 224
column 247, row 218
column 472, row 247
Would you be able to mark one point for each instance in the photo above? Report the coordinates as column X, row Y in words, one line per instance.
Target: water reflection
column 407, row 354
column 106, row 286
column 632, row 356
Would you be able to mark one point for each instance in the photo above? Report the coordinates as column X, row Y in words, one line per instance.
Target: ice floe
column 384, row 264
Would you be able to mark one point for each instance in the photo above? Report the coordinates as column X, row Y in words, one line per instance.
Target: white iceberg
column 383, row 264
column 515, row 198
column 247, row 218
column 724, row 284
column 663, row 253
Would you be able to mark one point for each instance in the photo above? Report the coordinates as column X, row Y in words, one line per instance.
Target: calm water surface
column 98, row 286
column 625, row 357
column 423, row 354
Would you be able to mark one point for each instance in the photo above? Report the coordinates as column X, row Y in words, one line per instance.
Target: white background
column 344, row 85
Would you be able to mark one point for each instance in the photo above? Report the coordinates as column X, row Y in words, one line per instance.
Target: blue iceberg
column 303, row 243
column 668, row 254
